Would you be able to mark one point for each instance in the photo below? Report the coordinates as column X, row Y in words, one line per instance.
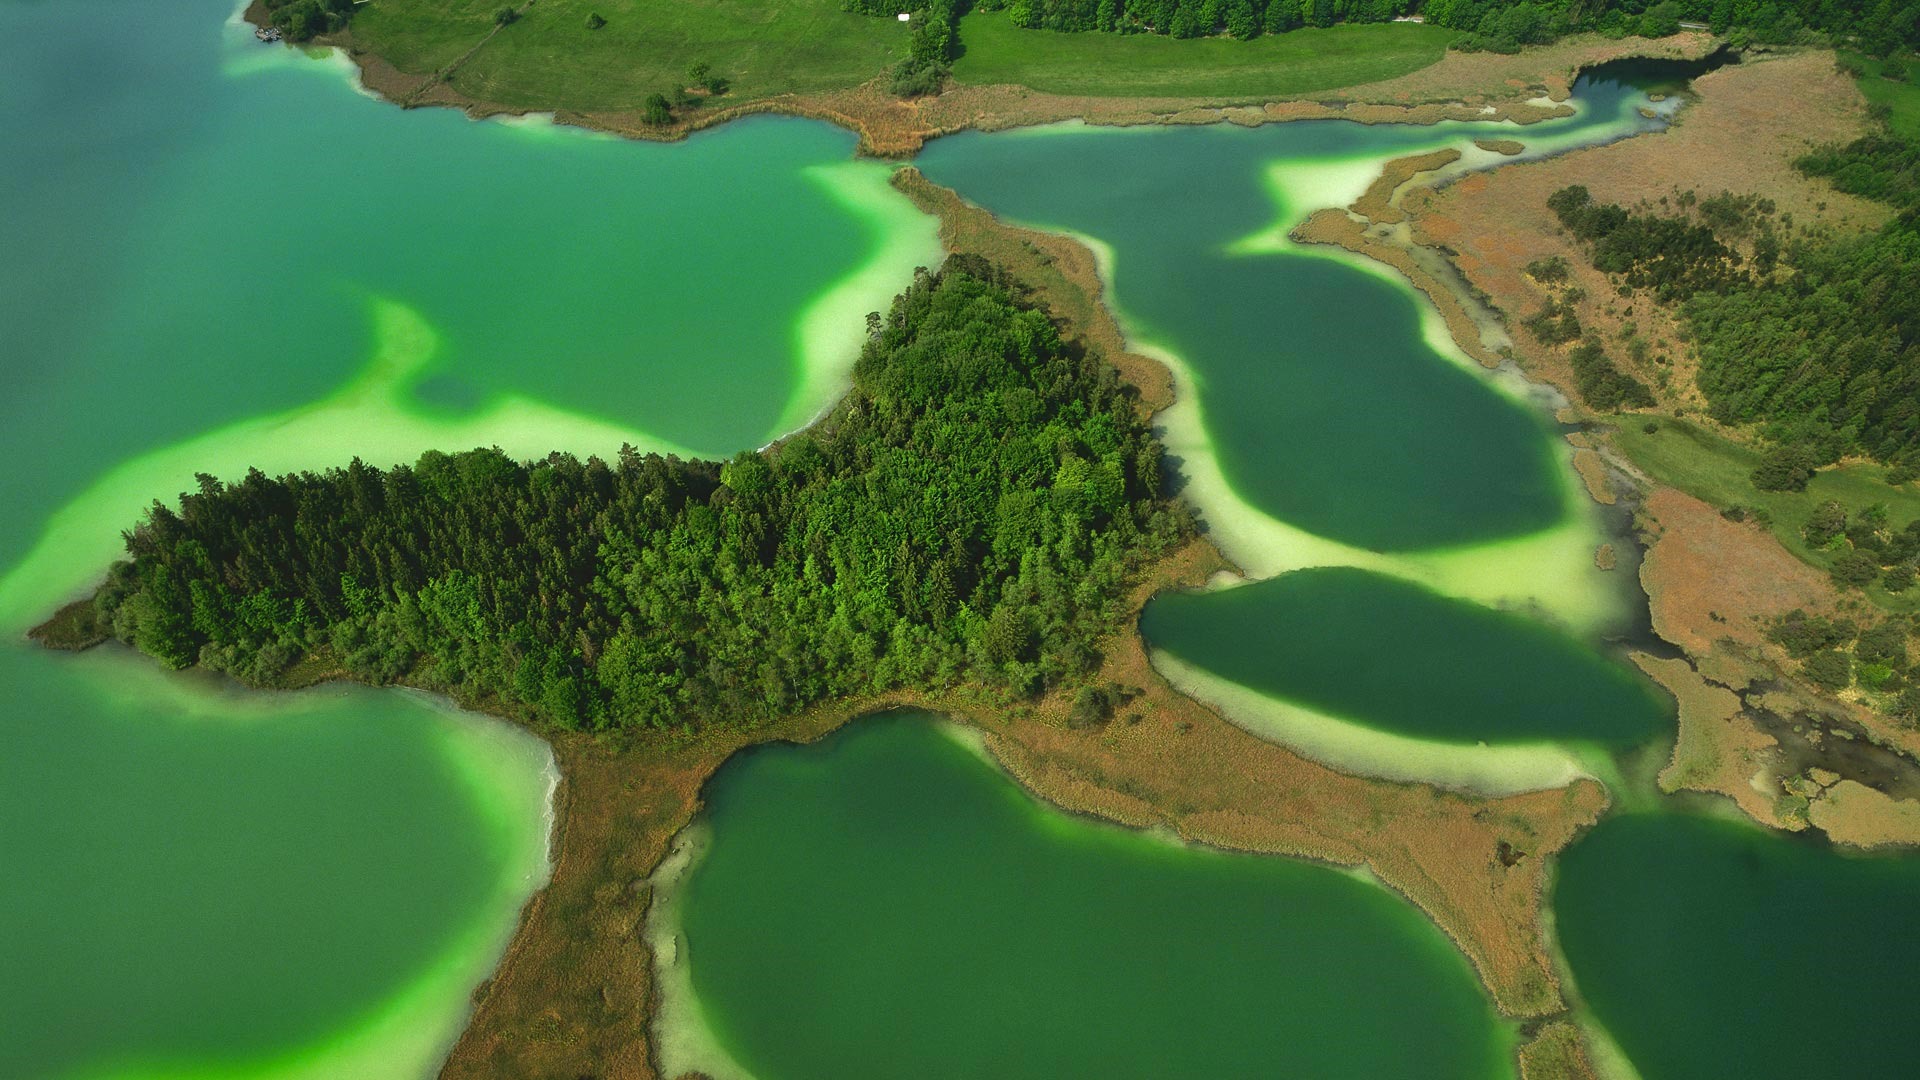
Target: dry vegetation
column 1750, row 122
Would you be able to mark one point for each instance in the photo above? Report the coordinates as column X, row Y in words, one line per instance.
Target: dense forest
column 1879, row 27
column 1816, row 339
column 972, row 512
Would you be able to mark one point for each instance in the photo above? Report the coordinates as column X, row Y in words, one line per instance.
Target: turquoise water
column 885, row 904
column 197, row 222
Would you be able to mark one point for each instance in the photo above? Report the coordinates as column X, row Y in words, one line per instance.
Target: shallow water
column 218, row 255
column 886, row 904
column 1325, row 403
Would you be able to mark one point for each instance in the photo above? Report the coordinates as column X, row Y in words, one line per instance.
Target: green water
column 1326, row 405
column 203, row 881
column 196, row 223
column 216, row 255
column 1393, row 655
column 885, row 904
column 1710, row 949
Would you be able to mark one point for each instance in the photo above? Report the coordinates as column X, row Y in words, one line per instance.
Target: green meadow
column 1150, row 65
column 548, row 57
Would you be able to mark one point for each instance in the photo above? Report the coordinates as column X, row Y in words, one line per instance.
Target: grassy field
column 1149, row 65
column 549, row 59
column 1716, row 471
column 1901, row 96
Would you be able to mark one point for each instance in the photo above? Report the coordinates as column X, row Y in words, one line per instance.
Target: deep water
column 886, row 904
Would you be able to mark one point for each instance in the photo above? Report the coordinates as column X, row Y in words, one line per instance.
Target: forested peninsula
column 974, row 511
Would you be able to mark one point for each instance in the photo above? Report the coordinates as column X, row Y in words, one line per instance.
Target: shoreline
column 618, row 807
column 1067, row 768
column 1522, row 88
column 1788, row 757
column 1048, row 760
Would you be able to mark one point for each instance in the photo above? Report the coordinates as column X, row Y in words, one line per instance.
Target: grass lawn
column 1150, row 65
column 1903, row 97
column 1716, row 471
column 548, row 59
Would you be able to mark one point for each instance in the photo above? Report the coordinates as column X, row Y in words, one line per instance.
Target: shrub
column 1784, row 468
column 594, row 21
column 1828, row 669
column 1855, row 570
column 1802, row 634
column 1886, row 643
column 1826, row 524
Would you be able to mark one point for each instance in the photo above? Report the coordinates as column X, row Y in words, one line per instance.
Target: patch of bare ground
column 1556, row 1052
column 574, row 995
column 1524, row 88
column 1748, row 124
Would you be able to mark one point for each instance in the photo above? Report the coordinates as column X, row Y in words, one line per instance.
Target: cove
column 196, row 222
column 203, row 881
column 1709, row 949
column 1321, row 397
column 1394, row 656
column 886, row 903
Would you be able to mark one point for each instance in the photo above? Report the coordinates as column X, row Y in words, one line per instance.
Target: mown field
column 549, row 59
column 1150, row 65
column 1717, row 471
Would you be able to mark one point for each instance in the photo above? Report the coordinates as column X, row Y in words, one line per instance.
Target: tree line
column 973, row 512
column 1880, row 27
column 1816, row 339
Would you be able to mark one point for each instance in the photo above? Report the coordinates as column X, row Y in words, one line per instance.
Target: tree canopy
column 973, row 511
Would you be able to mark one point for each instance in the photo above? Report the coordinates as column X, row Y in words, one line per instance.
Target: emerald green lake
column 1389, row 654
column 207, row 881
column 218, row 255
column 1325, row 405
column 1709, row 949
column 886, row 904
